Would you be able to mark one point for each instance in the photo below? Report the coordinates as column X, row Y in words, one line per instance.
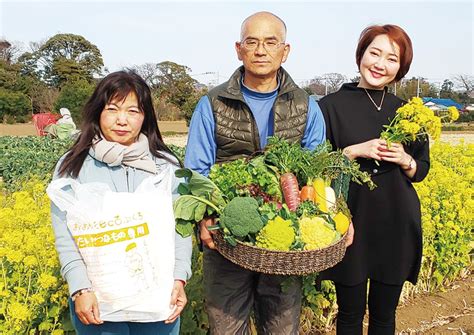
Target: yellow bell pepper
column 342, row 222
column 320, row 196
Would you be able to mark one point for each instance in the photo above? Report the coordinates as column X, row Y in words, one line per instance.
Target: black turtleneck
column 387, row 244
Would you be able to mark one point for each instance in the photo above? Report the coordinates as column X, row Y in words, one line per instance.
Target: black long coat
column 387, row 243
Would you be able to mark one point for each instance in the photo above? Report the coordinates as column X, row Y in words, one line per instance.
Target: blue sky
column 201, row 35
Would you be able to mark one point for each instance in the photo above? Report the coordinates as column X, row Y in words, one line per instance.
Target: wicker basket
column 281, row 262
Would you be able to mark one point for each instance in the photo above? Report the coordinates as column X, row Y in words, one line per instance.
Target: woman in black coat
column 387, row 243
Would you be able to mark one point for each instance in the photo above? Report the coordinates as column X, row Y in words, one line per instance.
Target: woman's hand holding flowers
column 369, row 149
column 396, row 154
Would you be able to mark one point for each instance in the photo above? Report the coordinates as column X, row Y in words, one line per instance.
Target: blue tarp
column 444, row 102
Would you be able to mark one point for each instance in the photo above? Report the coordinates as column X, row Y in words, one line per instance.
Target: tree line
column 63, row 71
column 405, row 89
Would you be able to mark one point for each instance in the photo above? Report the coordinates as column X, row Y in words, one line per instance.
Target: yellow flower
column 26, row 250
column 417, row 101
column 411, row 121
column 14, row 256
column 30, row 261
column 406, row 111
column 453, row 113
column 47, row 281
column 19, row 311
column 37, row 299
column 446, row 197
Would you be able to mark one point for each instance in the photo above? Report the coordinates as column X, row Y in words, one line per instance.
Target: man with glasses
column 233, row 121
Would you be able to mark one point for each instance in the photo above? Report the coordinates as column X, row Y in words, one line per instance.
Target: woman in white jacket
column 120, row 145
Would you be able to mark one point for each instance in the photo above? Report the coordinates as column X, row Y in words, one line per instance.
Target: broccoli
column 241, row 216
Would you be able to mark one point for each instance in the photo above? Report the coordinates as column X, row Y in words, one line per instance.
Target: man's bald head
column 267, row 16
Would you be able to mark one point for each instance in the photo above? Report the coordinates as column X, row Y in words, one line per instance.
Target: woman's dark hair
column 115, row 86
column 395, row 34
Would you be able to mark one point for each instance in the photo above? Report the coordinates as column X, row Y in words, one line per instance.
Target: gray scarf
column 114, row 154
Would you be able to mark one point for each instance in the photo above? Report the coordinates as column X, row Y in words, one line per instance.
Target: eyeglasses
column 269, row 45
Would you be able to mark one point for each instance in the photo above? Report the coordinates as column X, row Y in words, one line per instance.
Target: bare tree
column 149, row 72
column 4, row 46
column 9, row 52
column 465, row 81
column 35, row 46
column 333, row 81
column 325, row 84
column 317, row 86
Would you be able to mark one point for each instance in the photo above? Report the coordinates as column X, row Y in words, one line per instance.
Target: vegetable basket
column 283, row 211
column 298, row 262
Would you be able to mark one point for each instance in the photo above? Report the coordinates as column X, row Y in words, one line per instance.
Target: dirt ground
column 451, row 137
column 175, row 132
column 25, row 129
column 449, row 312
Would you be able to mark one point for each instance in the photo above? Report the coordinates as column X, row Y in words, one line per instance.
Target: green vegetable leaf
column 183, row 173
column 231, row 240
column 184, row 228
column 197, row 184
column 199, row 198
column 187, row 207
column 200, row 211
column 183, row 189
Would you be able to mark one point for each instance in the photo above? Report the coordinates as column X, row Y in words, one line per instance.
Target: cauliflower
column 241, row 216
column 316, row 233
column 278, row 234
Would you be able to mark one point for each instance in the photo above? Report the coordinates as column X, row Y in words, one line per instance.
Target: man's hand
column 178, row 300
column 350, row 235
column 87, row 309
column 206, row 235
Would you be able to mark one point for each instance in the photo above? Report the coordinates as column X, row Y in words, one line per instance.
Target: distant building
column 436, row 104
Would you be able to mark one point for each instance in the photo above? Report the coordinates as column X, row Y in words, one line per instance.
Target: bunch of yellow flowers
column 447, row 209
column 414, row 120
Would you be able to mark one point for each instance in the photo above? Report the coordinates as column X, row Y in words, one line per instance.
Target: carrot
column 307, row 193
column 290, row 190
